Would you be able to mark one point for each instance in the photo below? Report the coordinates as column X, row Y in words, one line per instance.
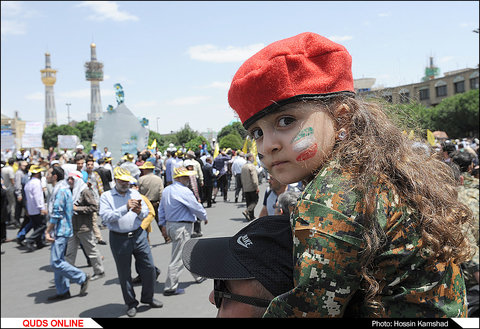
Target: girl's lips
column 276, row 163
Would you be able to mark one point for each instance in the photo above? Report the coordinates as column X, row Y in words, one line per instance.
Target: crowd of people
column 66, row 198
column 358, row 221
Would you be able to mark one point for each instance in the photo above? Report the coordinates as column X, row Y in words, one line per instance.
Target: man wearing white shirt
column 237, row 173
column 122, row 211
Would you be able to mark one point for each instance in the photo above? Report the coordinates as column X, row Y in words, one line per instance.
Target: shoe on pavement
column 177, row 291
column 154, row 303
column 97, row 276
column 101, row 242
column 84, row 286
column 60, row 297
column 132, row 311
column 247, row 216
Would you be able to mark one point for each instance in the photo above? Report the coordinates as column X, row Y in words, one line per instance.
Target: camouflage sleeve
column 327, row 241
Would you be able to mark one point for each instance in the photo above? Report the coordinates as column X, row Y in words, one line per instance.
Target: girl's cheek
column 304, row 144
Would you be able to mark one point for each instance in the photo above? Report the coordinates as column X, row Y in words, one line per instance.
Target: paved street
column 27, row 278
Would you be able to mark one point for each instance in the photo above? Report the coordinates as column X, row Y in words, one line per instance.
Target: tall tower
column 94, row 74
column 49, row 78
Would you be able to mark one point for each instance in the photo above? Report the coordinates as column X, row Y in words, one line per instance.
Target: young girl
column 377, row 230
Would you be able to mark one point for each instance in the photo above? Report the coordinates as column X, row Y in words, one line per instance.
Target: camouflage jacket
column 468, row 194
column 328, row 241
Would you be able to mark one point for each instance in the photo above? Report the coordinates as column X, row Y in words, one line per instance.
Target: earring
column 342, row 134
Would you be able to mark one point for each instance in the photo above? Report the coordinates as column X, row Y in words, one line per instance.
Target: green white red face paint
column 304, row 143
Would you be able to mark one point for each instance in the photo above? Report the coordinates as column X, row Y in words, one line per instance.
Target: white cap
column 80, row 146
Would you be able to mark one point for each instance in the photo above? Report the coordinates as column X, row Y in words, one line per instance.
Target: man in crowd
column 94, row 152
column 151, row 186
column 271, row 196
column 177, row 212
column 20, row 181
column 208, row 181
column 60, row 211
column 94, row 181
column 286, row 203
column 250, row 187
column 8, row 176
column 220, row 164
column 122, row 211
column 237, row 173
column 84, row 206
column 249, row 269
column 104, row 173
column 36, row 209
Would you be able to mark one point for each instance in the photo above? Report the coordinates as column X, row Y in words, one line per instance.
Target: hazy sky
column 175, row 60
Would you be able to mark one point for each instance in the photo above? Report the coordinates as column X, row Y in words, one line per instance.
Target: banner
column 68, row 141
column 8, row 140
column 32, row 137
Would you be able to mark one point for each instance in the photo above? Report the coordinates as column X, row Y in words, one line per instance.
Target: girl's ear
column 342, row 115
column 342, row 111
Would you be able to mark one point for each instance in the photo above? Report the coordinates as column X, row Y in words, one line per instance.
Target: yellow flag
column 245, row 146
column 216, row 151
column 411, row 135
column 430, row 138
column 254, row 152
column 154, row 144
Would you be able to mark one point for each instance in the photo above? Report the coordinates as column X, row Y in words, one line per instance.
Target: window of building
column 459, row 84
column 474, row 80
column 424, row 94
column 404, row 95
column 441, row 91
column 459, row 87
column 441, row 88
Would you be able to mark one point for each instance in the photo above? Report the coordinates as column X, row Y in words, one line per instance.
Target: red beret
column 306, row 66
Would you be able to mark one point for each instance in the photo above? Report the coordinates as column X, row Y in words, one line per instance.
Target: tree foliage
column 458, row 115
column 233, row 141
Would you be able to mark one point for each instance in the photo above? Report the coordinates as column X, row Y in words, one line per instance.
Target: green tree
column 233, row 141
column 185, row 134
column 458, row 115
column 236, row 127
column 85, row 128
column 50, row 134
column 193, row 144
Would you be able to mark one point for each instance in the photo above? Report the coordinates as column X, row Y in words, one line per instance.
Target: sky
column 175, row 59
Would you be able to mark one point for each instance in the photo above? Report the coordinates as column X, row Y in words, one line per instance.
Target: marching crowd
column 65, row 199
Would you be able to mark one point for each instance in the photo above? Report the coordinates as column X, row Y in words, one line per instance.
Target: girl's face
column 294, row 142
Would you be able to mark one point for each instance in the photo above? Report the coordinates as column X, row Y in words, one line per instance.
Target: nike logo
column 244, row 241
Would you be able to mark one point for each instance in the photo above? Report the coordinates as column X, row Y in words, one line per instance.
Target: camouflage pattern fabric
column 468, row 194
column 328, row 241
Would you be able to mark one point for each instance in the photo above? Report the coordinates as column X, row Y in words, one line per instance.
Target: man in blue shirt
column 60, row 211
column 177, row 212
column 122, row 210
column 95, row 153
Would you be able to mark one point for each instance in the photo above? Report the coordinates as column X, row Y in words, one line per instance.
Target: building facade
column 430, row 92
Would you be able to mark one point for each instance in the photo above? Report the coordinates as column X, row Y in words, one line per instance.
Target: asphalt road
column 27, row 277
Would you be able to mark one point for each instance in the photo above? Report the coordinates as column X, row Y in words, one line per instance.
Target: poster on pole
column 8, row 140
column 32, row 136
column 68, row 141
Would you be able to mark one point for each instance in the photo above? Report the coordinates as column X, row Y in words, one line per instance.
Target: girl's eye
column 285, row 121
column 257, row 133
